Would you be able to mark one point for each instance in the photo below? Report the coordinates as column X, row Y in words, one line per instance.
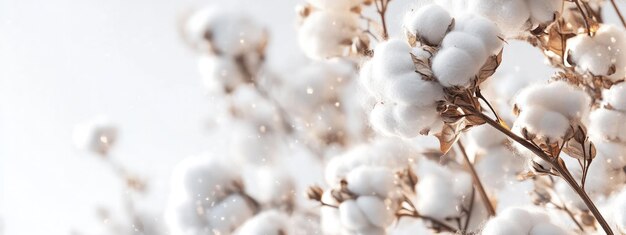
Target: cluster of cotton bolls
column 521, row 221
column 405, row 102
column 603, row 54
column 548, row 111
column 206, row 197
column 96, row 135
column 368, row 170
column 231, row 46
column 513, row 17
column 406, row 99
column 328, row 27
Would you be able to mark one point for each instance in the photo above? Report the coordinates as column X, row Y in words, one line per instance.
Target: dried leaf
column 423, row 67
column 411, row 38
column 447, row 137
column 489, row 68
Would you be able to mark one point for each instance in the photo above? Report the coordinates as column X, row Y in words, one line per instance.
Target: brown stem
column 619, row 13
column 382, row 10
column 477, row 183
column 558, row 165
column 585, row 18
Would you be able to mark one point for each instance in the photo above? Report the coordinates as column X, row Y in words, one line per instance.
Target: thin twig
column 477, row 183
column 558, row 167
column 382, row 10
column 585, row 18
column 469, row 211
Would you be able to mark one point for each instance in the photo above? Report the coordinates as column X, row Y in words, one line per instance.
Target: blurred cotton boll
column 97, row 135
column 327, row 34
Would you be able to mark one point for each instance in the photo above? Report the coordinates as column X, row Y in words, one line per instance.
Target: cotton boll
column 435, row 198
column 411, row 89
column 521, row 217
column 219, row 73
column 97, row 135
column 616, row 97
column 579, row 46
column 468, row 43
column 497, row 226
column 270, row 222
column 486, row 137
column 543, row 11
column 226, row 32
column 484, row 29
column 376, row 210
column 391, row 58
column 352, row 217
column 543, row 123
column 204, row 179
column 414, row 119
column 597, row 61
column 607, row 125
column 184, row 217
column 383, row 120
column 370, row 180
column 547, row 228
column 557, row 96
column 326, row 34
column 454, row 67
column 510, row 15
column 231, row 212
column 429, row 22
column 269, row 185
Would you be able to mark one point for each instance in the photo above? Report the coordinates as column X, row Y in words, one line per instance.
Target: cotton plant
column 429, row 83
column 554, row 143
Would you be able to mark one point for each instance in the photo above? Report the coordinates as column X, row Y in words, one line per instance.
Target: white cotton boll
column 377, row 212
column 335, row 4
column 370, row 180
column 268, row 185
column 547, row 228
column 229, row 213
column 468, row 43
column 557, row 96
column 454, row 67
column 543, row 11
column 429, row 22
column 607, row 124
column 435, row 197
column 204, row 179
column 497, row 226
column 521, row 217
column 231, row 33
column 543, row 123
column 391, row 58
column 326, row 34
column 97, row 135
column 410, row 89
column 510, row 15
column 597, row 61
column 616, row 97
column 183, row 217
column 383, row 120
column 486, row 137
column 579, row 45
column 352, row 217
column 270, row 222
column 484, row 29
column 413, row 119
column 219, row 73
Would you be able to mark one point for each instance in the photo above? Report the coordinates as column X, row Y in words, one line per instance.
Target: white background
column 65, row 61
